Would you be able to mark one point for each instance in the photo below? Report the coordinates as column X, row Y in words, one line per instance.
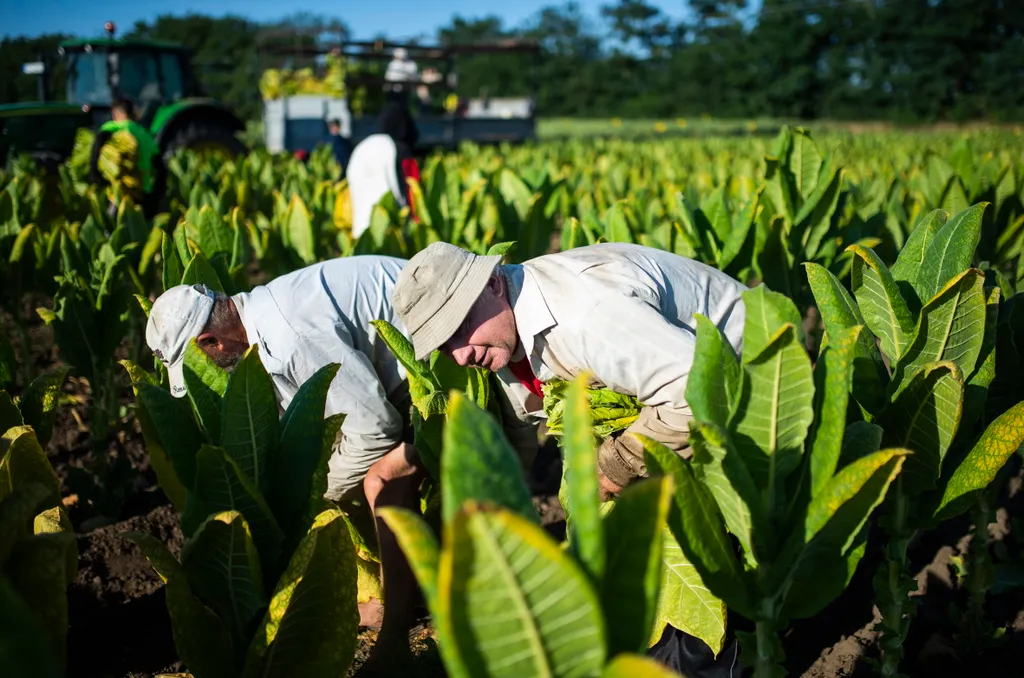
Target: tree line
column 900, row 60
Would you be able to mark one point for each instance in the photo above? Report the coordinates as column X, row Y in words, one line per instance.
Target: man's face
column 487, row 337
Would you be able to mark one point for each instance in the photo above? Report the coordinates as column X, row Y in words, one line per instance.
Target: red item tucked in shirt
column 524, row 372
column 411, row 170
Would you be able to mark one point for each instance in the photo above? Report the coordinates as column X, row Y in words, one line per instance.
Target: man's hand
column 609, row 490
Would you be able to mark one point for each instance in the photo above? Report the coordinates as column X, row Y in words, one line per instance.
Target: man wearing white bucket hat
column 622, row 313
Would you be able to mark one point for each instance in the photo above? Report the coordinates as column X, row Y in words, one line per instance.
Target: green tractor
column 156, row 75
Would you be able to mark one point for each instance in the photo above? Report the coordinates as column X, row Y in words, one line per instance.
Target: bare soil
column 119, row 626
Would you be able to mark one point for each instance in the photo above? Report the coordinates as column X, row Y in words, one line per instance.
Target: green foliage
column 770, row 474
column 38, row 557
column 267, row 580
column 483, row 581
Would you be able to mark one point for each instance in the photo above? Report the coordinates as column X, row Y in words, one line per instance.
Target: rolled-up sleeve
column 626, row 345
column 372, row 425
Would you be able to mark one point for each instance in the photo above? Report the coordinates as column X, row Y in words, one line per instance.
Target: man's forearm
column 621, row 457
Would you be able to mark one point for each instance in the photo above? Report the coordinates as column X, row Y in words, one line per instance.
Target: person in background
column 340, row 146
column 149, row 163
column 623, row 314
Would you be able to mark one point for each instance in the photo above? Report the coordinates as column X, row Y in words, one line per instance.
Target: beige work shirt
column 624, row 314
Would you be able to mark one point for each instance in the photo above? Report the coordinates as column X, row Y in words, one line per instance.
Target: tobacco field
column 852, row 506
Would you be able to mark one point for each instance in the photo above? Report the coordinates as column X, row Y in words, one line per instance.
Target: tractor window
column 87, row 78
column 170, row 69
column 138, row 77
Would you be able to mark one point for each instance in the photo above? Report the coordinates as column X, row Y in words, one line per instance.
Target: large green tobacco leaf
column 223, row 569
column 520, row 606
column 924, row 418
column 206, row 383
column 776, row 409
column 837, row 514
column 200, row 638
column 479, row 463
column 950, row 328
column 299, row 454
column 816, row 583
column 697, row 526
column 160, row 558
column 976, row 388
column 200, row 272
column 839, row 312
column 221, row 486
column 39, row 403
column 832, row 374
column 585, row 533
column 723, row 472
column 766, row 312
column 25, row 462
column 17, row 510
column 172, row 268
column 310, row 627
column 629, row 588
column 997, row 444
column 713, row 387
column 159, row 460
column 250, row 424
column 684, row 602
column 175, row 428
column 950, row 251
column 908, row 264
column 56, row 521
column 211, row 232
column 25, row 650
column 884, row 308
column 860, row 439
column 38, row 569
column 318, row 486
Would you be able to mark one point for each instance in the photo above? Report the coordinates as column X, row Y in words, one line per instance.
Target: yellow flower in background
column 681, row 123
column 660, row 127
column 751, row 126
column 616, row 122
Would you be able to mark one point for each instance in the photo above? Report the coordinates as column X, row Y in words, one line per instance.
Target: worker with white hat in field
column 622, row 313
column 301, row 322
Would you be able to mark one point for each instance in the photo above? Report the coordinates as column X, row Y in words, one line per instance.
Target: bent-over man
column 622, row 313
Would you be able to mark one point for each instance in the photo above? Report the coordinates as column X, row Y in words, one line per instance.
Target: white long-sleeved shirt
column 625, row 315
column 321, row 314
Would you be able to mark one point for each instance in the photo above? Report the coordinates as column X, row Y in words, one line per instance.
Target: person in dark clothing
column 340, row 146
column 397, row 122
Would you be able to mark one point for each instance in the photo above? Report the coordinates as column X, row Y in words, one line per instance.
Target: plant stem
column 895, row 593
column 765, row 667
column 976, row 627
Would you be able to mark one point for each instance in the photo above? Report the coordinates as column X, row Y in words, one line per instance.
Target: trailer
column 298, row 121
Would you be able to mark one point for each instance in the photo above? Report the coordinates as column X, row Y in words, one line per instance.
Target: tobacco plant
column 505, row 599
column 770, row 467
column 922, row 382
column 266, row 582
column 38, row 550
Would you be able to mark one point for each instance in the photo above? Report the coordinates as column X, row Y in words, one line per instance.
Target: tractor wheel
column 205, row 136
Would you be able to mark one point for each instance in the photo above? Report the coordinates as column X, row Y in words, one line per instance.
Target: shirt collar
column 528, row 306
column 241, row 301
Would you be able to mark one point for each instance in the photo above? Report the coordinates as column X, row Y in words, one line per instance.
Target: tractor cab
column 148, row 72
column 156, row 75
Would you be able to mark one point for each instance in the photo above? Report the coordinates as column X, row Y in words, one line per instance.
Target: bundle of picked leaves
column 610, row 412
column 118, row 161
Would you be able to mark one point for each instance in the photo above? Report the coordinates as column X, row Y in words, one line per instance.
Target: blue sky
column 396, row 18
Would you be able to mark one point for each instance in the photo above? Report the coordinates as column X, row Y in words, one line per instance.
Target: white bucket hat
column 436, row 290
column 177, row 316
